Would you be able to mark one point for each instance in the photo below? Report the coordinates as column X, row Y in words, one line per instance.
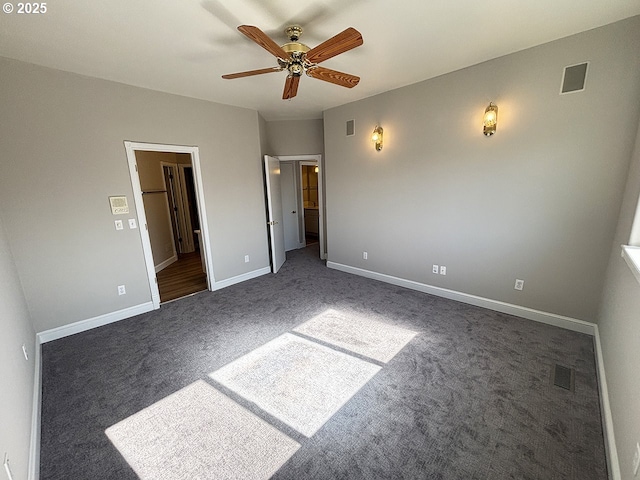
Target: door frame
column 182, row 216
column 130, row 148
column 175, row 227
column 186, row 213
column 314, row 160
column 294, row 187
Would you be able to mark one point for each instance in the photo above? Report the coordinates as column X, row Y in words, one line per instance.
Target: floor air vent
column 563, row 377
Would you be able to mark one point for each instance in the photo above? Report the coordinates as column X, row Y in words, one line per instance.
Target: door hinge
column 136, row 165
column 272, row 223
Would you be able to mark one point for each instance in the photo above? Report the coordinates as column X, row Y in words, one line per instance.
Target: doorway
column 302, row 201
column 180, row 191
column 310, row 202
column 170, row 207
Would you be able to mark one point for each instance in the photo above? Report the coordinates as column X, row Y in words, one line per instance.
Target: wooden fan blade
column 290, row 87
column 342, row 42
column 332, row 76
column 262, row 39
column 231, row 76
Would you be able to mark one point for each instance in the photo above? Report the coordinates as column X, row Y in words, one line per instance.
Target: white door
column 274, row 207
column 290, row 214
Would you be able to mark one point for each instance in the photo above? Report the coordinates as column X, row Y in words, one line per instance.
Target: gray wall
column 538, row 201
column 262, row 130
column 62, row 138
column 16, row 373
column 619, row 326
column 295, row 137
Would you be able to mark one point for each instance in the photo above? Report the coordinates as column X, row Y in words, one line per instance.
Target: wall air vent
column 351, row 128
column 574, row 78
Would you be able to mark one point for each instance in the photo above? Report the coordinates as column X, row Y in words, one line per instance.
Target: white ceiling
column 184, row 46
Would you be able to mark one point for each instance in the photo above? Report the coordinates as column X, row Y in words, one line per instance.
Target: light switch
column 119, row 225
column 132, row 223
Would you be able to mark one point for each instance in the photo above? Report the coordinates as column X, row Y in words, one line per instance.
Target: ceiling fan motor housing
column 295, row 63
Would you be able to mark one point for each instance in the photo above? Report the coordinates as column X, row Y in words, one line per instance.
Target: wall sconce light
column 316, row 169
column 490, row 120
column 376, row 137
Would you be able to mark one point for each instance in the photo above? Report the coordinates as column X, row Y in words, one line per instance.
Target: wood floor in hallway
column 182, row 278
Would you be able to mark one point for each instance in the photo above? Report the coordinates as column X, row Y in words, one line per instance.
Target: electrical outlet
column 435, row 269
column 24, row 352
column 365, row 255
column 636, row 459
column 443, row 270
column 6, row 466
column 246, row 259
column 119, row 225
column 519, row 284
column 121, row 290
column 132, row 223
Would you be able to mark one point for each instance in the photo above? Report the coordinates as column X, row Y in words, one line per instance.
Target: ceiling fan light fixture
column 296, row 69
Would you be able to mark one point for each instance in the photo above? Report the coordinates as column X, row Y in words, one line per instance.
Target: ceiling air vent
column 574, row 78
column 351, row 128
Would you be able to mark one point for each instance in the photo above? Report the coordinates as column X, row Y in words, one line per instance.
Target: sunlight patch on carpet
column 198, row 432
column 358, row 334
column 300, row 382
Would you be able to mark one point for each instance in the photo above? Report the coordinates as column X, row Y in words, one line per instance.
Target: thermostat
column 119, row 205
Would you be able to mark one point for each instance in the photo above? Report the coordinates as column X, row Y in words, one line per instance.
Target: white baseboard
column 239, row 278
column 166, row 263
column 34, row 444
column 84, row 325
column 517, row 310
column 613, row 464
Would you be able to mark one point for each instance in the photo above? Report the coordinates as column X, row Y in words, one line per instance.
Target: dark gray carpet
column 469, row 397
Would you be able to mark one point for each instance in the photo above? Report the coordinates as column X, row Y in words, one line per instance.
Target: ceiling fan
column 297, row 58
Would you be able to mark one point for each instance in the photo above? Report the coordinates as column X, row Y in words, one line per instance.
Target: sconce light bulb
column 490, row 120
column 376, row 138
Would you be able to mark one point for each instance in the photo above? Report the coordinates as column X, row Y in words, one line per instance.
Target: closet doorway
column 170, row 207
